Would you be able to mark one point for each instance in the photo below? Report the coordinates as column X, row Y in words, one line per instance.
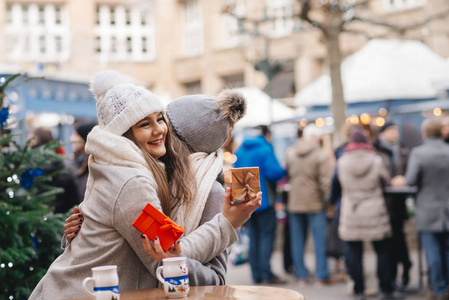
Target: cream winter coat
column 119, row 186
column 309, row 171
column 362, row 175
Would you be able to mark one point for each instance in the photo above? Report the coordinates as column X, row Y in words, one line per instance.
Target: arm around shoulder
column 134, row 195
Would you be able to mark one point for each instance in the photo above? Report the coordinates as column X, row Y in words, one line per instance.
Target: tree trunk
column 338, row 105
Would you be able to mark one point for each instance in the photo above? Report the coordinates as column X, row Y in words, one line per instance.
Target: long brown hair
column 175, row 184
column 178, row 168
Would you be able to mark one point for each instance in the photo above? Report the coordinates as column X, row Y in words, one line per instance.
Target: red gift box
column 152, row 222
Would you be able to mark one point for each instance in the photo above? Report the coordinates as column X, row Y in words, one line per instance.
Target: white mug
column 105, row 280
column 176, row 277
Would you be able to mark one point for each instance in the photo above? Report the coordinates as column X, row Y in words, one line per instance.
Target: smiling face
column 150, row 133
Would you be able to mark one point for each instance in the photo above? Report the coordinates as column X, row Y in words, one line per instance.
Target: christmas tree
column 30, row 234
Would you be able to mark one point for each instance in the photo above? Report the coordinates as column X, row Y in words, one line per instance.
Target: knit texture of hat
column 203, row 121
column 120, row 103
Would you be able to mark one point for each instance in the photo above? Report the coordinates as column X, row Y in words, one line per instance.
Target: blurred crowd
column 68, row 175
column 353, row 194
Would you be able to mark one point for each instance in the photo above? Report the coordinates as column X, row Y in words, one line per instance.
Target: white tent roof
column 383, row 70
column 261, row 108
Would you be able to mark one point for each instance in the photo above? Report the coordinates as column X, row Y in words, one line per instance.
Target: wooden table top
column 235, row 292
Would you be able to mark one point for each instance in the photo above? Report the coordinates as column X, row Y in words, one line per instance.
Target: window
column 25, row 14
column 41, row 15
column 395, row 5
column 36, row 32
column 129, row 45
column 42, row 45
column 281, row 12
column 113, row 44
column 9, row 14
column 144, row 45
column 58, row 43
column 128, row 16
column 193, row 88
column 126, row 33
column 230, row 24
column 112, row 15
column 98, row 15
column 98, row 43
column 234, row 81
column 58, row 15
column 192, row 42
column 143, row 19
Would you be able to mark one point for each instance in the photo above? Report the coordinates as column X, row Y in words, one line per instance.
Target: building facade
column 178, row 47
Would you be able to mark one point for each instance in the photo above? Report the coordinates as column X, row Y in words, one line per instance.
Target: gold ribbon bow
column 247, row 192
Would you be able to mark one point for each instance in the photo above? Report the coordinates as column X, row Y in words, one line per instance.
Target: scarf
column 111, row 149
column 206, row 168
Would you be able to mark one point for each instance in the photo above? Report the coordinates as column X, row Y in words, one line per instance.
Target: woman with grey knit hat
column 128, row 151
column 204, row 135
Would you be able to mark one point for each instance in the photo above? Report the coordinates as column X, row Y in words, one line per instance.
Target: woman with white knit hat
column 127, row 150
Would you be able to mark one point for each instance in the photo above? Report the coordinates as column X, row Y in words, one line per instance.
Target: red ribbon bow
column 168, row 226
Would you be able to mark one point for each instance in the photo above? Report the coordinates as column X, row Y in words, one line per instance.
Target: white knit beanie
column 120, row 103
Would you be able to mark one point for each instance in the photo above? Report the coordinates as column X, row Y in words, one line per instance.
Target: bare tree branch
column 360, row 3
column 305, row 16
column 402, row 28
column 359, row 32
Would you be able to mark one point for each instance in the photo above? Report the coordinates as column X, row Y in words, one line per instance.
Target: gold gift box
column 244, row 183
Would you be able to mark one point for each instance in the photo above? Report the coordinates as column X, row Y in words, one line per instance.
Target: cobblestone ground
column 241, row 275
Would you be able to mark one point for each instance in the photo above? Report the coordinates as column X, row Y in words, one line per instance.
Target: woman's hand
column 73, row 224
column 398, row 181
column 238, row 214
column 156, row 251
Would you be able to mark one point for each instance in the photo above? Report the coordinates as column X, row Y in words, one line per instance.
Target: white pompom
column 105, row 80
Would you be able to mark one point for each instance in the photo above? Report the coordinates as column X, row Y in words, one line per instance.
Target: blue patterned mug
column 105, row 280
column 176, row 277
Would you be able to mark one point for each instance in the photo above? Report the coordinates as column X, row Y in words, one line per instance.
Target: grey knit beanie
column 203, row 121
column 120, row 103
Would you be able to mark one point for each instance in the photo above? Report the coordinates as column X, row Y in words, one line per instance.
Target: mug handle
column 85, row 281
column 158, row 274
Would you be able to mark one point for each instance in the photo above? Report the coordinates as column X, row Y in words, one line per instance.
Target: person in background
column 363, row 214
column 445, row 128
column 335, row 246
column 309, row 170
column 285, row 188
column 80, row 168
column 428, row 169
column 258, row 152
column 395, row 158
column 62, row 178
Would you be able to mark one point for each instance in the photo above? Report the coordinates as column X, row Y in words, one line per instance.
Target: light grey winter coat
column 428, row 168
column 309, row 171
column 363, row 215
column 119, row 186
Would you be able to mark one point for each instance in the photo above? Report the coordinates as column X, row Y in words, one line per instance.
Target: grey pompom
column 232, row 105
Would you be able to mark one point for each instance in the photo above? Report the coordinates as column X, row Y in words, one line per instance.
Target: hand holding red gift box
column 152, row 223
